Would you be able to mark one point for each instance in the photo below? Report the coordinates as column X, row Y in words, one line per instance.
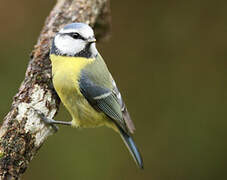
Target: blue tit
column 86, row 87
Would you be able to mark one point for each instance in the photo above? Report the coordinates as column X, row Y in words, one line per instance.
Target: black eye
column 75, row 35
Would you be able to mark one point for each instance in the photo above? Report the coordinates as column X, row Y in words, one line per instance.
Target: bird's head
column 76, row 39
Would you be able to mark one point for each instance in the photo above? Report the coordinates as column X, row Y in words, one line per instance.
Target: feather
column 129, row 142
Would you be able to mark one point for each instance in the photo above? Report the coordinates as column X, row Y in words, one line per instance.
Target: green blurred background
column 169, row 60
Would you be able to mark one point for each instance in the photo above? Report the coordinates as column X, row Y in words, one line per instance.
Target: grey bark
column 23, row 132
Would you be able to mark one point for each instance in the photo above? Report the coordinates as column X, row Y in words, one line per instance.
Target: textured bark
column 23, row 132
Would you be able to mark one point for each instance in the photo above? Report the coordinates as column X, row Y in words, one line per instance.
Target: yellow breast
column 66, row 73
column 67, row 69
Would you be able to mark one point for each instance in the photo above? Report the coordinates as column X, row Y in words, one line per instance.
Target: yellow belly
column 66, row 72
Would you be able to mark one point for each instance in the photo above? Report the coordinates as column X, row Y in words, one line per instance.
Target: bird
column 85, row 86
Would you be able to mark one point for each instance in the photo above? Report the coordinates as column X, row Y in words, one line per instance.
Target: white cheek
column 68, row 45
column 93, row 49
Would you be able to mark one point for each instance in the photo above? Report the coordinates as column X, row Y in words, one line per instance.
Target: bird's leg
column 50, row 121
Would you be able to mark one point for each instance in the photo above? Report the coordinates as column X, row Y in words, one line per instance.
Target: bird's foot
column 46, row 120
column 50, row 121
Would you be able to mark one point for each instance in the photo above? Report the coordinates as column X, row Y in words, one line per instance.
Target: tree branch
column 23, row 132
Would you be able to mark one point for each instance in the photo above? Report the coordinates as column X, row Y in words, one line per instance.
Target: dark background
column 169, row 61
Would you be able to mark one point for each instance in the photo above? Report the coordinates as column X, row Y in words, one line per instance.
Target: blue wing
column 102, row 99
column 101, row 92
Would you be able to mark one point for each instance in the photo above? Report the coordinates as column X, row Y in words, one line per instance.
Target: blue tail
column 132, row 148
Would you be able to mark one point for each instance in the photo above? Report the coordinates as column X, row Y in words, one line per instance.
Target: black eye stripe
column 76, row 36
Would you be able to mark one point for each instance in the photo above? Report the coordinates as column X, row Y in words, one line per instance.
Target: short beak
column 91, row 40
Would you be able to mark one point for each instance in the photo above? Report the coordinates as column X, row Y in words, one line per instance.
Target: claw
column 46, row 120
